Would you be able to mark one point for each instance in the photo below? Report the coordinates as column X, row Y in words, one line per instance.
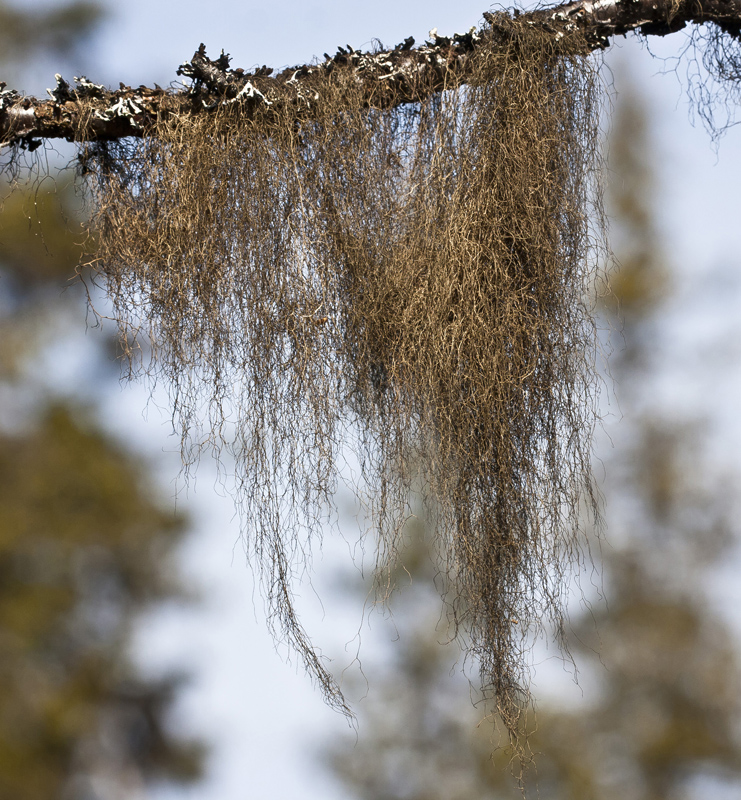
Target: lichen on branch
column 92, row 113
column 386, row 251
column 407, row 279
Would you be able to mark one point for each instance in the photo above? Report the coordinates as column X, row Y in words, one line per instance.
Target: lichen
column 405, row 279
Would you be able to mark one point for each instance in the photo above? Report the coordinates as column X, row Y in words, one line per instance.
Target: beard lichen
column 409, row 281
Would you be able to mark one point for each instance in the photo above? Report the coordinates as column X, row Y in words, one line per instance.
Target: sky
column 261, row 713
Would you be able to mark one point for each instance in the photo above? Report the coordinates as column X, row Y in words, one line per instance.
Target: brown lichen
column 407, row 280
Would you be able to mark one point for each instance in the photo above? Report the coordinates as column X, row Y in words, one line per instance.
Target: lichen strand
column 407, row 280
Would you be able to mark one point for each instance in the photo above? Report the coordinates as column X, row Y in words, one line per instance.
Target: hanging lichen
column 406, row 279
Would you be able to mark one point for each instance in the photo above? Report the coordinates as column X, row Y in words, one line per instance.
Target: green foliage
column 642, row 280
column 82, row 549
column 667, row 708
column 40, row 237
column 39, row 254
column 85, row 545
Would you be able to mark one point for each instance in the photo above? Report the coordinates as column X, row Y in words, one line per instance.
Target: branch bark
column 90, row 112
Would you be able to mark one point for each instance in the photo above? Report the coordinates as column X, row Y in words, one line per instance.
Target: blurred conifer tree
column 85, row 545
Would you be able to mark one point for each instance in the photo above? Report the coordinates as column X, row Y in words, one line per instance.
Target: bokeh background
column 134, row 659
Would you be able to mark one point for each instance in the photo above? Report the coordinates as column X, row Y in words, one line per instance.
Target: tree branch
column 90, row 112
